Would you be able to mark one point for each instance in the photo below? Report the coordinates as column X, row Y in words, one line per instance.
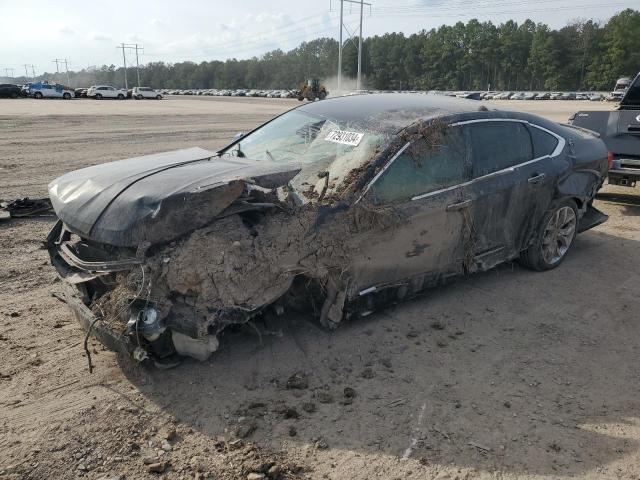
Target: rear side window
column 543, row 143
column 425, row 166
column 498, row 145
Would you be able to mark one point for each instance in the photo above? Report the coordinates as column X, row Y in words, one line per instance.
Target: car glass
column 543, row 143
column 498, row 145
column 328, row 152
column 427, row 165
column 632, row 96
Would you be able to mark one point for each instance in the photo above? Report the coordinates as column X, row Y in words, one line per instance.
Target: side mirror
column 238, row 136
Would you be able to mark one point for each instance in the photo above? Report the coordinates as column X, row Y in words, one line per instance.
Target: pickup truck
column 620, row 131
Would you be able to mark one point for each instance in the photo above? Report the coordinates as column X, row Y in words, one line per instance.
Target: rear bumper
column 623, row 176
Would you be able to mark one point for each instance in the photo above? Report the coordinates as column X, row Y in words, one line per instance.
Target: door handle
column 458, row 206
column 537, row 178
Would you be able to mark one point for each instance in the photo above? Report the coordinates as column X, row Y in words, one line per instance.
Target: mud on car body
column 339, row 207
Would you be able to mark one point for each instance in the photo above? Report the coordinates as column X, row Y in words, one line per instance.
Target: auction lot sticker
column 346, row 138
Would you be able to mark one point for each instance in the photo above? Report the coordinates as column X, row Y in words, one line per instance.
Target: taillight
column 609, row 160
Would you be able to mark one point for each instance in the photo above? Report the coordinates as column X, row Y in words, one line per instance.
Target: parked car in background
column 9, row 90
column 50, row 90
column 417, row 188
column 106, row 91
column 145, row 92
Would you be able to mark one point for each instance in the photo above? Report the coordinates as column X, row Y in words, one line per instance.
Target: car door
column 422, row 188
column 509, row 191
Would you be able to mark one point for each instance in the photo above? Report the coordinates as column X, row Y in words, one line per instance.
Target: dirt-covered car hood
column 155, row 198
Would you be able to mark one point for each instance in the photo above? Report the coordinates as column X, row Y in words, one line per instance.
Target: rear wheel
column 120, row 96
column 158, row 97
column 37, row 95
column 98, row 96
column 66, row 96
column 14, row 95
column 555, row 236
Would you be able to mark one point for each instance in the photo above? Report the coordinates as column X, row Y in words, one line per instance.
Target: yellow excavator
column 312, row 90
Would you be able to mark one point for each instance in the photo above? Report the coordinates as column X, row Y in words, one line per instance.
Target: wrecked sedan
column 338, row 207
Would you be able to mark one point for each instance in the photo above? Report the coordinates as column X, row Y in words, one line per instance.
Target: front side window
column 427, row 165
column 498, row 145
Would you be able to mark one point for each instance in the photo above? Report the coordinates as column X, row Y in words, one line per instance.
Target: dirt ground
column 502, row 375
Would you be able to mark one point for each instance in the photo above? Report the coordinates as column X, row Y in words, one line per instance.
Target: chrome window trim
column 559, row 148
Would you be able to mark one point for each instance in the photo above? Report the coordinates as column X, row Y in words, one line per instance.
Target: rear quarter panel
column 588, row 156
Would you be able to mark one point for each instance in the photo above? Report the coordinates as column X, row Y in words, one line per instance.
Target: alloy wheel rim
column 558, row 235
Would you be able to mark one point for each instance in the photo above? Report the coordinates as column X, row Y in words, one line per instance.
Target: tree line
column 583, row 55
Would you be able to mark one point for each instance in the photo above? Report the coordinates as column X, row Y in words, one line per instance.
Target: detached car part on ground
column 620, row 130
column 338, row 207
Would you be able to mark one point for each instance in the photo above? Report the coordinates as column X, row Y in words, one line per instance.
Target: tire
column 98, row 96
column 14, row 95
column 158, row 97
column 37, row 95
column 554, row 238
column 66, row 96
column 120, row 96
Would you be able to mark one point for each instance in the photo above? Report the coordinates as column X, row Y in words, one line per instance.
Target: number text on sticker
column 346, row 138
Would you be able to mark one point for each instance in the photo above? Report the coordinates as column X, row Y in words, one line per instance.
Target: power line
column 342, row 26
column 66, row 67
column 26, row 74
column 283, row 32
column 242, row 46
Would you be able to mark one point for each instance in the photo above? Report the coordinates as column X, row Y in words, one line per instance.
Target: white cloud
column 98, row 37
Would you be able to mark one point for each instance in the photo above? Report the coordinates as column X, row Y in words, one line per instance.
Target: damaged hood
column 156, row 198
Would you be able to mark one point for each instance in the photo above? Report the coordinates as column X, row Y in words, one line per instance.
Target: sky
column 87, row 33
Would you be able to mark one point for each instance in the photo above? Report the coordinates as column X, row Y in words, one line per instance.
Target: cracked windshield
column 316, row 145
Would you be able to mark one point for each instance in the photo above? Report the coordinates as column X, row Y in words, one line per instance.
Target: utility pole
column 342, row 26
column 124, row 62
column 340, row 49
column 130, row 46
column 33, row 71
column 66, row 69
column 137, row 63
column 359, row 80
column 64, row 60
column 6, row 71
column 26, row 74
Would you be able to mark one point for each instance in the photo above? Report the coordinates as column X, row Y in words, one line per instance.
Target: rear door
column 423, row 185
column 513, row 181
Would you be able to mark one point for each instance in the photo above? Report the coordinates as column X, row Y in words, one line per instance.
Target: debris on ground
column 26, row 207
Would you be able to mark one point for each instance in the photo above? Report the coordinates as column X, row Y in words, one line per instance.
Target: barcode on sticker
column 346, row 138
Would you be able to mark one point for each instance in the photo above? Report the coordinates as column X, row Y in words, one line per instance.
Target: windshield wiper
column 270, row 156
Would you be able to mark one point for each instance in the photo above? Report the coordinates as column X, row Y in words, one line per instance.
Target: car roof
column 391, row 110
